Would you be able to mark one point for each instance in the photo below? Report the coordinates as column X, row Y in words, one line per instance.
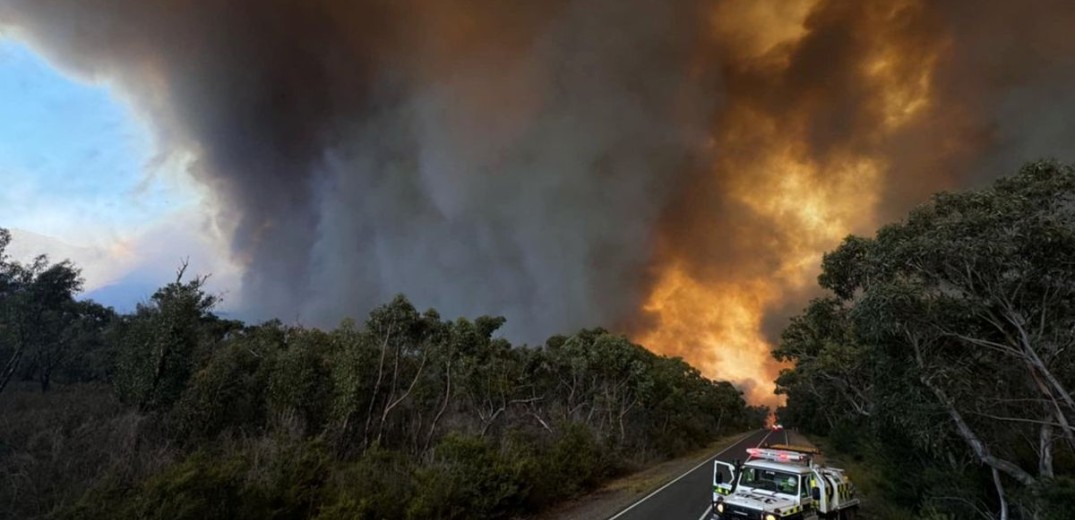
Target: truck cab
column 781, row 483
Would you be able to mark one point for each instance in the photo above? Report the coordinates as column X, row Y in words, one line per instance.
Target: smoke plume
column 673, row 169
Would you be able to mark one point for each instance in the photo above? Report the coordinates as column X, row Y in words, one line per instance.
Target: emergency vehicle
column 781, row 482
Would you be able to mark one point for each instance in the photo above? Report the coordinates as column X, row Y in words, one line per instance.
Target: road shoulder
column 620, row 493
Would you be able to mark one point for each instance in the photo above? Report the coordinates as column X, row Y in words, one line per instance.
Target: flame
column 795, row 201
column 694, row 317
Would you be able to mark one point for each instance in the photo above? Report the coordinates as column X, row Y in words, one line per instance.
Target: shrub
column 467, row 479
column 378, row 485
column 300, row 382
column 228, row 393
column 202, row 487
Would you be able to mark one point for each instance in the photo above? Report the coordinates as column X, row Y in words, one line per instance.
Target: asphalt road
column 689, row 496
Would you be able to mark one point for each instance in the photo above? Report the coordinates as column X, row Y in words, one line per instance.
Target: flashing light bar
column 791, row 447
column 779, row 455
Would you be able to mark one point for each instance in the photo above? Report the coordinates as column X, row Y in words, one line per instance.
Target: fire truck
column 781, row 482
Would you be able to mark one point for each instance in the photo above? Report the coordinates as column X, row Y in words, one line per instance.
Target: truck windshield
column 769, row 480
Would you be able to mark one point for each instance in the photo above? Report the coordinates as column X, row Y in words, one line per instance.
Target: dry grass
column 55, row 446
column 620, row 493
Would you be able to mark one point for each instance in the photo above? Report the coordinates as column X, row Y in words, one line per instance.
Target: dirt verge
column 620, row 493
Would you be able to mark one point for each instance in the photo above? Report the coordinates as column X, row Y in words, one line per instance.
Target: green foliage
column 269, row 478
column 204, row 486
column 403, row 416
column 90, row 356
column 379, row 484
column 161, row 345
column 846, row 437
column 376, row 370
column 466, row 479
column 41, row 324
column 226, row 394
column 1052, row 498
column 947, row 338
column 576, row 461
column 300, row 380
column 55, row 445
column 285, row 479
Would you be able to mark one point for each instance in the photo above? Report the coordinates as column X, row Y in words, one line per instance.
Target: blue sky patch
column 72, row 156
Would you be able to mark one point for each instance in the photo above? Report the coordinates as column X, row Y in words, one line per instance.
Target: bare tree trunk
column 624, row 410
column 541, row 421
column 50, row 359
column 1057, row 386
column 486, row 424
column 1000, row 494
column 1045, row 449
column 443, row 405
column 1032, row 355
column 158, row 373
column 376, row 388
column 980, row 449
column 1065, row 427
column 10, row 367
column 390, row 405
column 977, row 446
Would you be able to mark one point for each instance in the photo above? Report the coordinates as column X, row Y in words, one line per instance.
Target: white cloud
column 125, row 270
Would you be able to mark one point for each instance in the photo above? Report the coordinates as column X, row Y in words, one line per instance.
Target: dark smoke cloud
column 546, row 160
column 479, row 156
column 1001, row 92
column 996, row 80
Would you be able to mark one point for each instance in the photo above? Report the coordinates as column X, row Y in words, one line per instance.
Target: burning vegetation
column 673, row 169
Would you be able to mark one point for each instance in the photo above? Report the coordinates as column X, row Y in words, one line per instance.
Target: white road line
column 709, row 508
column 706, row 513
column 704, row 462
column 767, row 434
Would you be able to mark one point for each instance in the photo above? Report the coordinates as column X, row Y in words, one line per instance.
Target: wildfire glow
column 718, row 325
column 551, row 160
column 797, row 203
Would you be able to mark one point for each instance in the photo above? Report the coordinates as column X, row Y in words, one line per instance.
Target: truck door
column 806, row 500
column 723, row 478
column 820, row 492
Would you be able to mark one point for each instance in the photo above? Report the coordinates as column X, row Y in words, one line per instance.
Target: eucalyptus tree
column 36, row 309
column 963, row 311
column 163, row 343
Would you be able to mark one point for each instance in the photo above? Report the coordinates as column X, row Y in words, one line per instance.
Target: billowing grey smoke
column 528, row 184
column 478, row 156
column 544, row 159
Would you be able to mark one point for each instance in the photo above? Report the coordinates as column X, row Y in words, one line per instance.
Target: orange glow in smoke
column 696, row 318
column 799, row 205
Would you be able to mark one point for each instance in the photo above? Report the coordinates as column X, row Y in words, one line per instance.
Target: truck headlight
column 770, row 516
column 720, row 508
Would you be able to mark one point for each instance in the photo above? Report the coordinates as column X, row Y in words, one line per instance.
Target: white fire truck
column 781, row 482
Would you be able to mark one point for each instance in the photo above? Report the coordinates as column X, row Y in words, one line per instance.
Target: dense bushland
column 172, row 412
column 944, row 352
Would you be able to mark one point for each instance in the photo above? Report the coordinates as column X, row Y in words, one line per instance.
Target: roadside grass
column 649, row 479
column 617, row 494
column 864, row 470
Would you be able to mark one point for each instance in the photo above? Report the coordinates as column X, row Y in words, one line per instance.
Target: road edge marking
column 709, row 508
column 767, row 434
column 673, row 481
